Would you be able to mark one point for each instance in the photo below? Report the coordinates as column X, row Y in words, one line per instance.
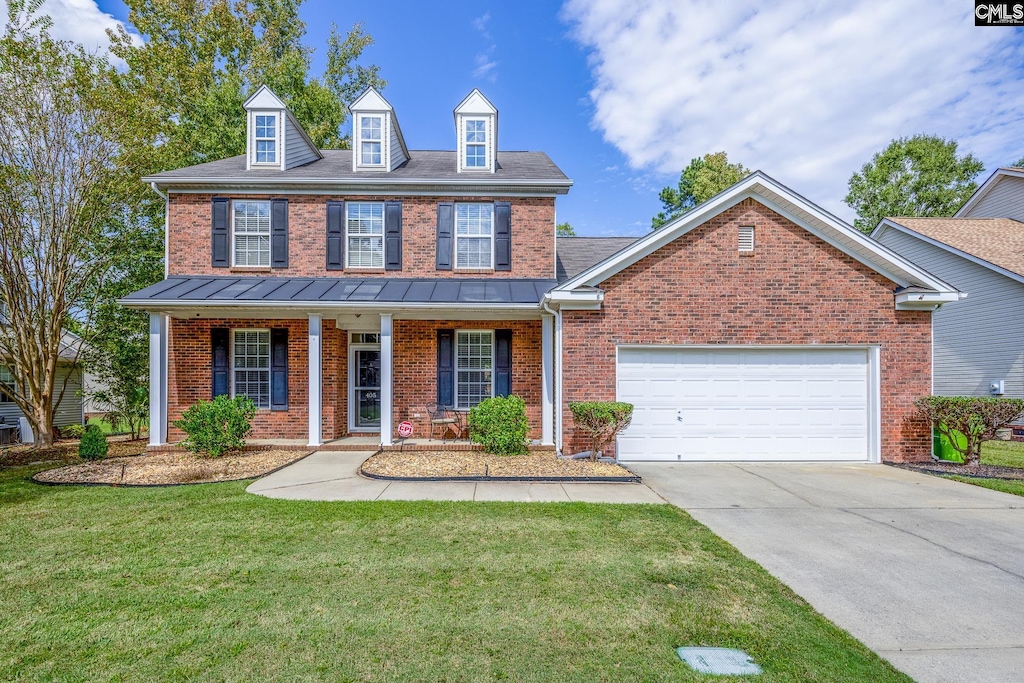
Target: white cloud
column 805, row 92
column 80, row 21
column 486, row 65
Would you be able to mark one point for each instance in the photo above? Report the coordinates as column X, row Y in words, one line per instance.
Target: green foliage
column 975, row 417
column 217, row 427
column 1020, row 163
column 700, row 181
column 565, row 230
column 93, row 445
column 500, row 424
column 72, row 431
column 601, row 421
column 916, row 176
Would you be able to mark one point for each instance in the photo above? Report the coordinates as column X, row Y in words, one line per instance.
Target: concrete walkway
column 327, row 475
column 927, row 572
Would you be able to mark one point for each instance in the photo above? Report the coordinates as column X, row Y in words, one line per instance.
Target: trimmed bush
column 93, row 445
column 600, row 421
column 975, row 418
column 72, row 431
column 217, row 427
column 500, row 424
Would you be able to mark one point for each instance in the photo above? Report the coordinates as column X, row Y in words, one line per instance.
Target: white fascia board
column 263, row 98
column 370, row 100
column 888, row 224
column 475, row 103
column 588, row 299
column 178, row 304
column 986, row 186
column 768, row 192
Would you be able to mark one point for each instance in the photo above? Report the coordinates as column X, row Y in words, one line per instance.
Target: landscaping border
column 635, row 479
column 158, row 486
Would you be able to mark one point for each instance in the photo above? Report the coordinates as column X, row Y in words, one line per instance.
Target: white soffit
column 789, row 205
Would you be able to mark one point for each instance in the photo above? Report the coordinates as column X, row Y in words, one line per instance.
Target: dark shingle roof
column 576, row 254
column 337, row 164
column 395, row 291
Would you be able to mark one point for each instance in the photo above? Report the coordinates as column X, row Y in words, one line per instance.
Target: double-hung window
column 251, row 228
column 371, row 141
column 251, row 365
column 364, row 225
column 266, row 139
column 474, row 235
column 5, row 378
column 476, row 143
column 474, row 367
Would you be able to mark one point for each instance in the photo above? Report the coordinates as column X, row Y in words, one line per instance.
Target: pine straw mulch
column 161, row 469
column 65, row 452
column 446, row 464
column 943, row 467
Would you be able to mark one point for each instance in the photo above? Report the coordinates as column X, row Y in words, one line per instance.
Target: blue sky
column 623, row 94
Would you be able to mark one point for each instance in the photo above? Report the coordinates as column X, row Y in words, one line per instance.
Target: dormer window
column 476, row 143
column 371, row 141
column 266, row 139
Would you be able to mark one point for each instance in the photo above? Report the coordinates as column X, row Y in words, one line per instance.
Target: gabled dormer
column 274, row 139
column 377, row 141
column 476, row 125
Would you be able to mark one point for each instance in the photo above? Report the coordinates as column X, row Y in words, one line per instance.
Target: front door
column 364, row 380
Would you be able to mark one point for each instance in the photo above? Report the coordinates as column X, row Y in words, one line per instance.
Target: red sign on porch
column 405, row 429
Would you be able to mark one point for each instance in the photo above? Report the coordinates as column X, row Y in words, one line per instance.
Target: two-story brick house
column 344, row 290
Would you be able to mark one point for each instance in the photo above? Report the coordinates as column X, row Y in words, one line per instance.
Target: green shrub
column 93, row 445
column 72, row 431
column 217, row 427
column 600, row 421
column 976, row 418
column 500, row 424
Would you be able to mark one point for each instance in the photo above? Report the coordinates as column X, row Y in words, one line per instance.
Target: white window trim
column 383, row 140
column 5, row 373
column 231, row 363
column 455, row 238
column 270, row 233
column 486, row 143
column 352, row 348
column 455, row 366
column 348, row 250
column 278, row 152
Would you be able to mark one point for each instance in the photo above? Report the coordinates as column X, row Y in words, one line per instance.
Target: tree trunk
column 42, row 426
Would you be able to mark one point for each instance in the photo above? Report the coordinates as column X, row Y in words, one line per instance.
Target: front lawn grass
column 1014, row 486
column 1003, row 453
column 210, row 583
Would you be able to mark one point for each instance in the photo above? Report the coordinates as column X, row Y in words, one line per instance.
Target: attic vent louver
column 746, row 240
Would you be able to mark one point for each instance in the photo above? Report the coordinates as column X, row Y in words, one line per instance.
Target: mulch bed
column 474, row 464
column 942, row 467
column 65, row 451
column 162, row 469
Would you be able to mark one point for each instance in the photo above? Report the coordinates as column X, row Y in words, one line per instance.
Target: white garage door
column 744, row 403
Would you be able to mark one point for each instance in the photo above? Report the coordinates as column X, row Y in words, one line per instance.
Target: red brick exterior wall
column 795, row 289
column 190, row 368
column 533, row 238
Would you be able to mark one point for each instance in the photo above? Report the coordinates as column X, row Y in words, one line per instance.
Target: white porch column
column 558, row 381
column 315, row 379
column 386, row 399
column 547, row 350
column 157, row 379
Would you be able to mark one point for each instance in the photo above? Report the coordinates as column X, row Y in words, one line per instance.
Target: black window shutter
column 220, row 233
column 279, row 233
column 446, row 367
column 335, row 235
column 445, row 231
column 502, row 362
column 219, row 342
column 392, row 235
column 502, row 236
column 279, row 369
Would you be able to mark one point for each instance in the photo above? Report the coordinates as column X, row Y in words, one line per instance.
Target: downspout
column 558, row 371
column 167, row 220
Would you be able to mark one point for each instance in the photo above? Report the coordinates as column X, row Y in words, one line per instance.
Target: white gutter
column 149, row 304
column 167, row 220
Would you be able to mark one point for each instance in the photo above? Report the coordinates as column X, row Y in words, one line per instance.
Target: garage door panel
column 744, row 404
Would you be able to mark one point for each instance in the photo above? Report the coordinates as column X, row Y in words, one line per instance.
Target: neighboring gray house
column 978, row 345
column 70, row 410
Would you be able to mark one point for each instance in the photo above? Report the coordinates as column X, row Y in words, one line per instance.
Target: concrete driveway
column 927, row 572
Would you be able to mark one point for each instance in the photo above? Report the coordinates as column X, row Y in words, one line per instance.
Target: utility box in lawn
column 943, row 449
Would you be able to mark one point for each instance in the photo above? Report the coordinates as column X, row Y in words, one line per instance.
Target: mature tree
column 61, row 191
column 1020, row 163
column 700, row 181
column 918, row 176
column 565, row 230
